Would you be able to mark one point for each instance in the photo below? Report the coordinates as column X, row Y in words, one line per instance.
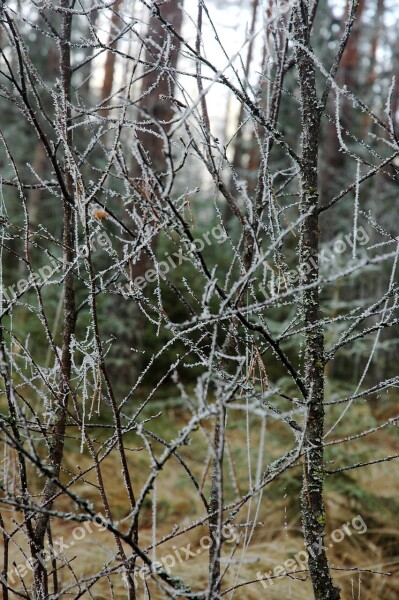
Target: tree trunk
column 109, row 68
column 40, row 587
column 348, row 75
column 313, row 517
column 158, row 85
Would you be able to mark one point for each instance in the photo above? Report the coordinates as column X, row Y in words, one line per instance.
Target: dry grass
column 370, row 492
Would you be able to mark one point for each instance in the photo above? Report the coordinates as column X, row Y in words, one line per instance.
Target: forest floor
column 361, row 498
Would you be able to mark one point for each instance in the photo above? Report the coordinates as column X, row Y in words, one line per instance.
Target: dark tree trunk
column 58, row 432
column 313, row 516
column 157, row 91
column 348, row 75
column 109, row 68
column 158, row 85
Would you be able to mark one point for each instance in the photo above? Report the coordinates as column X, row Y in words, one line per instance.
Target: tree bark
column 158, row 83
column 40, row 588
column 157, row 90
column 348, row 76
column 313, row 515
column 109, row 68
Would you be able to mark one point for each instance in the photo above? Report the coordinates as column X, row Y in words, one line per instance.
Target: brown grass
column 370, row 492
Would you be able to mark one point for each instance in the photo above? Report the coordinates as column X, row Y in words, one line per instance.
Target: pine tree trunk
column 109, row 68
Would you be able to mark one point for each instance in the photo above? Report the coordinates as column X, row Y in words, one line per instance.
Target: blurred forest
column 141, row 180
column 368, row 66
